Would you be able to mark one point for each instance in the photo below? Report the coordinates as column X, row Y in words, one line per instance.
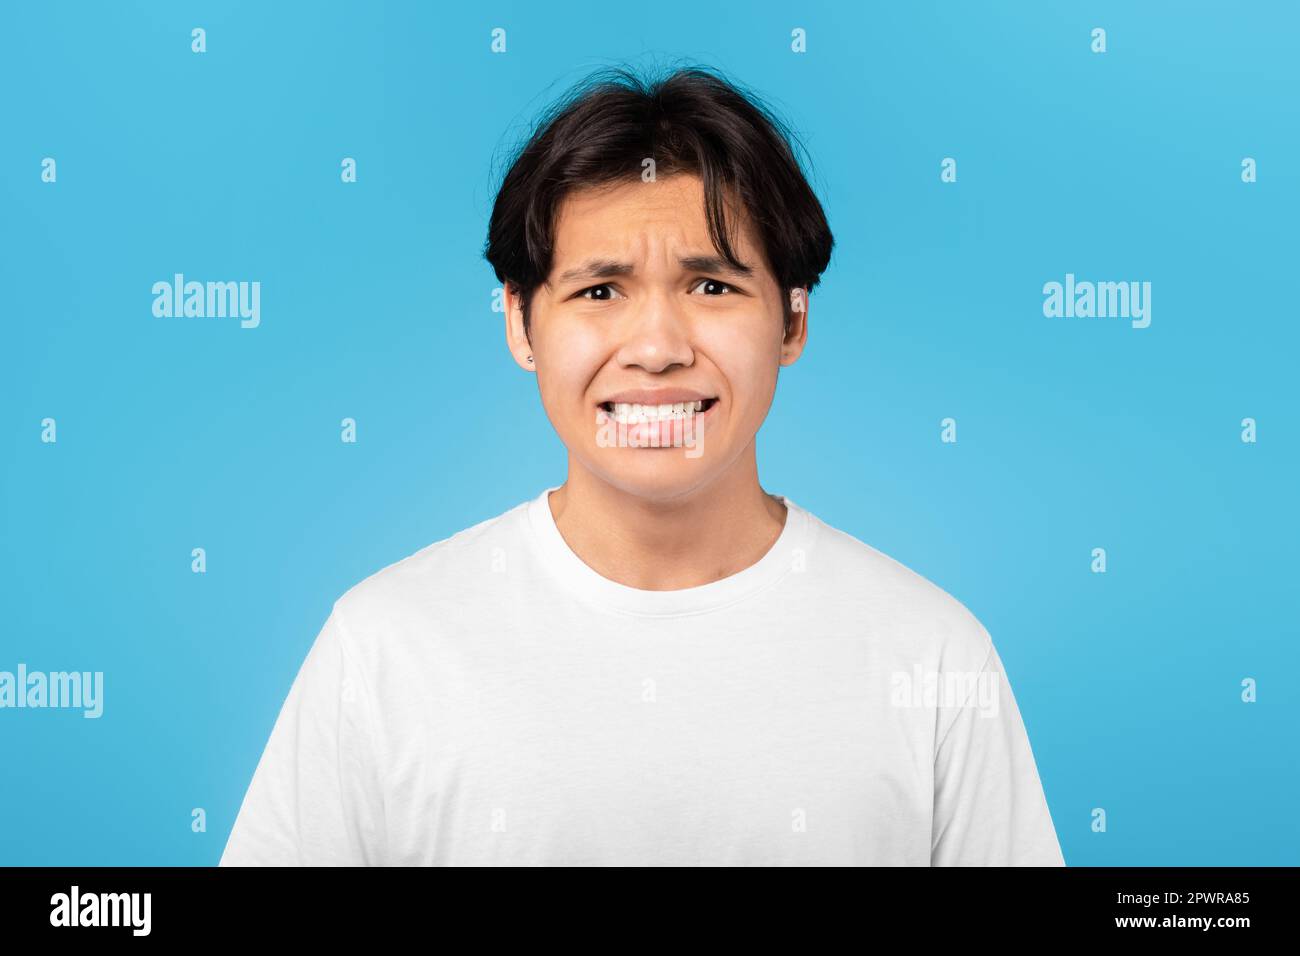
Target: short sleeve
column 989, row 806
column 316, row 797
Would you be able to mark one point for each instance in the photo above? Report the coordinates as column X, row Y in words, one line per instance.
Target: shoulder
column 902, row 602
column 437, row 572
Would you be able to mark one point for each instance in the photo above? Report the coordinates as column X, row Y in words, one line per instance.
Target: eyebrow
column 608, row 268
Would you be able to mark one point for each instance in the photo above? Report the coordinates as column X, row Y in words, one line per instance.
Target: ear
column 792, row 342
column 516, row 341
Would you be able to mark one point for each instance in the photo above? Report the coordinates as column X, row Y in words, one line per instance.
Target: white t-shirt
column 492, row 700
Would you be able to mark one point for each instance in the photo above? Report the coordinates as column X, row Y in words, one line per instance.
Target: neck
column 693, row 538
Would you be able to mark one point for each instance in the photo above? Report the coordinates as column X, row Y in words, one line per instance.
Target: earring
column 530, row 360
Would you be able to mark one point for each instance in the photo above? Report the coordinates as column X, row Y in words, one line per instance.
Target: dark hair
column 691, row 121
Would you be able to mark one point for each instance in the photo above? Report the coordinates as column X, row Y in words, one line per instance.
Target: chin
column 655, row 474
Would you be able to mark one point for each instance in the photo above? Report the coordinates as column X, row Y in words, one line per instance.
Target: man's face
column 641, row 310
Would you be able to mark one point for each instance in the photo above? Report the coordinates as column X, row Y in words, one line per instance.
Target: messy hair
column 690, row 121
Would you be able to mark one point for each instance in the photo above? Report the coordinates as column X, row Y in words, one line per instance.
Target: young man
column 657, row 662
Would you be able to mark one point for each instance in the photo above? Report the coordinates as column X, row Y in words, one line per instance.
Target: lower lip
column 655, row 436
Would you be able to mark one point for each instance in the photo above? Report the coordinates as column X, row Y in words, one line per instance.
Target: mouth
column 676, row 425
column 631, row 413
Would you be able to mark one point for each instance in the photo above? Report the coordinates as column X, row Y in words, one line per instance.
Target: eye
column 714, row 283
column 609, row 289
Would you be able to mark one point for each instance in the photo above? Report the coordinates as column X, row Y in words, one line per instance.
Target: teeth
column 635, row 414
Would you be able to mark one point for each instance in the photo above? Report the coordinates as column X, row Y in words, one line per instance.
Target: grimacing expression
column 638, row 301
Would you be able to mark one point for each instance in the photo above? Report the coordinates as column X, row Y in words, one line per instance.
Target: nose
column 656, row 336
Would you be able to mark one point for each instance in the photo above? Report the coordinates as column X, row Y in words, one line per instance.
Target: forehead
column 635, row 218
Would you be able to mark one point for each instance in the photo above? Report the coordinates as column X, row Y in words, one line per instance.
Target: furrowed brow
column 609, row 268
column 596, row 269
column 715, row 264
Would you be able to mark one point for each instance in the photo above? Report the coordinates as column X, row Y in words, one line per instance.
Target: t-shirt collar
column 787, row 553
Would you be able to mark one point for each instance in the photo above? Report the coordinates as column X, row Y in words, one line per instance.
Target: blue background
column 376, row 304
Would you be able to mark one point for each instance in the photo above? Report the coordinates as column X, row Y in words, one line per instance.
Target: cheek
column 754, row 386
column 569, row 361
column 748, row 363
